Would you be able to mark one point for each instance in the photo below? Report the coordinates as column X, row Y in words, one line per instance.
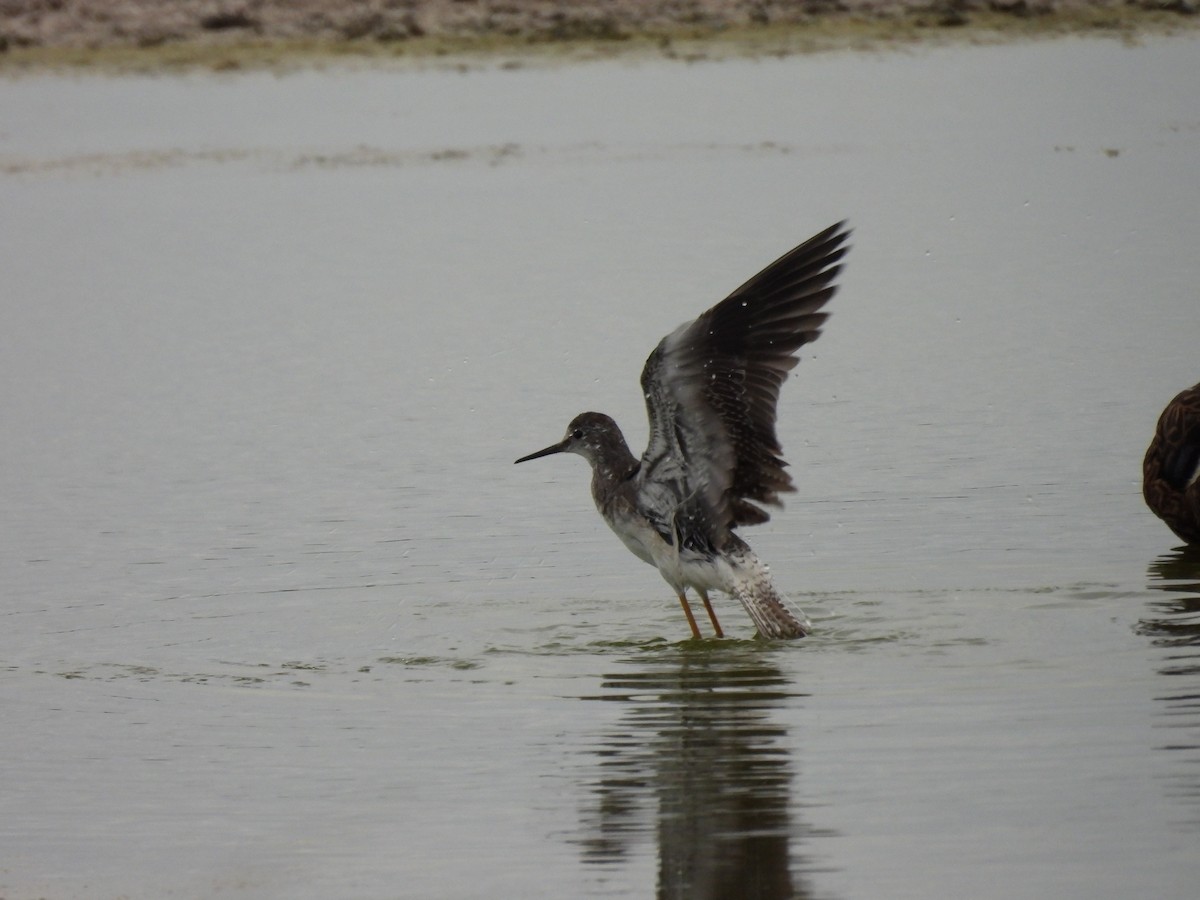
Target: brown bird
column 1171, row 470
column 711, row 389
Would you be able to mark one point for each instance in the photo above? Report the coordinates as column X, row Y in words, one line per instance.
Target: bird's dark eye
column 577, row 434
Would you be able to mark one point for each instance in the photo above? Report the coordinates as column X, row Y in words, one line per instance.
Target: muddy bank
column 212, row 31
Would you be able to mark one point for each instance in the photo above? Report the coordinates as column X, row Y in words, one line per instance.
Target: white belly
column 681, row 571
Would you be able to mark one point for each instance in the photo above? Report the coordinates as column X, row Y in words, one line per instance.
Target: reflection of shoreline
column 699, row 762
column 1173, row 624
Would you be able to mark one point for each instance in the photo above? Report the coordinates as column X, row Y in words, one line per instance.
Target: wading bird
column 1171, row 470
column 711, row 388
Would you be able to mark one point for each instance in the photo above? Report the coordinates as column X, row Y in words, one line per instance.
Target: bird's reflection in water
column 700, row 762
column 1173, row 624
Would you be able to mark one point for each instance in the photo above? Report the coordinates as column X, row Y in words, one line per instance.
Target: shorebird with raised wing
column 1171, row 469
column 712, row 388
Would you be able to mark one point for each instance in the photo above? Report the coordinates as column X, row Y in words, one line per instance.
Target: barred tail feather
column 752, row 586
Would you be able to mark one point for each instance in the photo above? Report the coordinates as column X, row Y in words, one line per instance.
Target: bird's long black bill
column 553, row 448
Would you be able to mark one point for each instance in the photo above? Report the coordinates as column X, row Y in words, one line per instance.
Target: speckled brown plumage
column 1171, row 470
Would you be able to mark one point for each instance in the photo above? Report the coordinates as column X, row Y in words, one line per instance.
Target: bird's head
column 592, row 435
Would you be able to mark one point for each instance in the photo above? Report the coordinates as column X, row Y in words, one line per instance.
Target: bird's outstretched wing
column 711, row 390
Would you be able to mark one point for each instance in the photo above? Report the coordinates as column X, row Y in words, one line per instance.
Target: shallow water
column 281, row 619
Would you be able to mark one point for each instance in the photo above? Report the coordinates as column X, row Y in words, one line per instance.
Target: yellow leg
column 687, row 611
column 711, row 615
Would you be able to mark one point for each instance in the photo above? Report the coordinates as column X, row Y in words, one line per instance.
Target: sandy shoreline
column 236, row 33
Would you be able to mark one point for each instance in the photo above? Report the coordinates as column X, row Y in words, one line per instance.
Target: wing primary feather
column 712, row 386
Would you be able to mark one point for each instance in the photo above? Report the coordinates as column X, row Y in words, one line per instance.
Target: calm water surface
column 281, row 619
